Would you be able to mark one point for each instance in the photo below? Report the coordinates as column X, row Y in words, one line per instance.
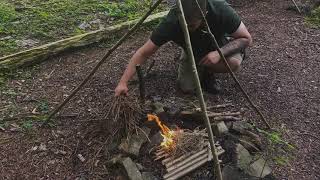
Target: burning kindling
column 180, row 141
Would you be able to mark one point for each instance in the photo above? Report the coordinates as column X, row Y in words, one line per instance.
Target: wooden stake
column 183, row 24
column 141, row 83
column 295, row 4
column 93, row 71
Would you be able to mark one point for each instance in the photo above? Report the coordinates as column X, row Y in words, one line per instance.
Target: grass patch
column 314, row 18
column 51, row 20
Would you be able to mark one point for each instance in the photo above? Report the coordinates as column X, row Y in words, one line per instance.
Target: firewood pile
column 178, row 166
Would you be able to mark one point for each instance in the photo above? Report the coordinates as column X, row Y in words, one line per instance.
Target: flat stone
column 259, row 168
column 131, row 168
column 157, row 107
column 241, row 127
column 243, row 157
column 84, row 26
column 134, row 143
column 148, row 176
column 220, row 128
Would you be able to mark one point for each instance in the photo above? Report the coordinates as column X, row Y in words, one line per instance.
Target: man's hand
column 121, row 89
column 211, row 58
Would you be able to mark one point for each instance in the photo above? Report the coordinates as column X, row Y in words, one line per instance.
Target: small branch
column 141, row 83
column 149, row 69
column 220, row 106
column 295, row 4
column 212, row 114
column 226, row 118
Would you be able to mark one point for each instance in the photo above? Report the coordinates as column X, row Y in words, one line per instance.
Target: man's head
column 193, row 13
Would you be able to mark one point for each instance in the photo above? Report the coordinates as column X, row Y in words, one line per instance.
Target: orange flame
column 167, row 134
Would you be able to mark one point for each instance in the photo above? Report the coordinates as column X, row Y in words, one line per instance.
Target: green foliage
column 52, row 20
column 7, row 45
column 7, row 14
column 280, row 150
column 43, row 107
column 27, row 125
column 314, row 18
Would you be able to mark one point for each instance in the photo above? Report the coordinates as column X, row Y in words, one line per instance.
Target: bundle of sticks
column 125, row 112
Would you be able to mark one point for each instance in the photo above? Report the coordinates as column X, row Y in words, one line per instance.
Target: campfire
column 182, row 150
column 179, row 141
column 168, row 135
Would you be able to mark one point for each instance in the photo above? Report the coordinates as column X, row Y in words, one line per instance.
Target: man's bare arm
column 242, row 39
column 138, row 58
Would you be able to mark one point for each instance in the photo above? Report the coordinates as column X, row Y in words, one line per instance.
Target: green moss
column 314, row 18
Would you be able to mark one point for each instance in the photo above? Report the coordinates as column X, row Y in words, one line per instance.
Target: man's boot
column 209, row 83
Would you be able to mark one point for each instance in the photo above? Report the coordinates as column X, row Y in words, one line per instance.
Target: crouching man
column 223, row 22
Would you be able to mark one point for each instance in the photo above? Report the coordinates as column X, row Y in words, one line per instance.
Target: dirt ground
column 280, row 73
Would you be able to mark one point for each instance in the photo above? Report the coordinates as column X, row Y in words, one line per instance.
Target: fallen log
column 41, row 53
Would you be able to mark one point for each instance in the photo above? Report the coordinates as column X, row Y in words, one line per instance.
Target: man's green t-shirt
column 222, row 20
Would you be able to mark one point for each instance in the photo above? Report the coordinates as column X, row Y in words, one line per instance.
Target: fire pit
column 182, row 150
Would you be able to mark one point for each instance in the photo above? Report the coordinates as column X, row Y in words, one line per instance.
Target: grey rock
column 5, row 38
column 246, row 163
column 259, row 167
column 134, row 143
column 220, row 128
column 241, row 126
column 25, row 43
column 157, row 107
column 84, row 26
column 148, row 176
column 243, row 157
column 131, row 168
column 96, row 21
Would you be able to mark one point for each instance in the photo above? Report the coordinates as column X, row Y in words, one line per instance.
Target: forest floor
column 281, row 74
